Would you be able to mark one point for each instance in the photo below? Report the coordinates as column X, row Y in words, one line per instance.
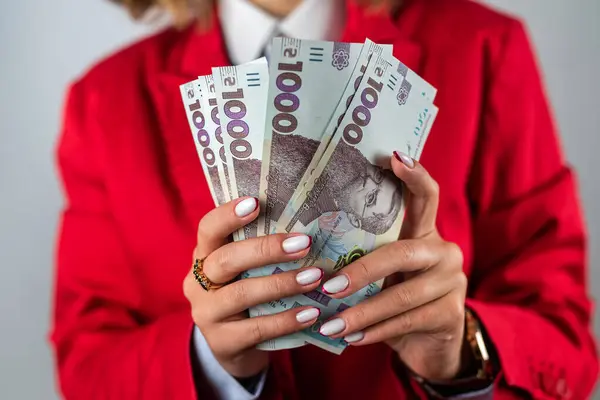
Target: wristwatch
column 479, row 375
column 474, row 336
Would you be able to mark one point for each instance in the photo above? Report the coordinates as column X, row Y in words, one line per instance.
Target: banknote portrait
column 293, row 155
column 370, row 196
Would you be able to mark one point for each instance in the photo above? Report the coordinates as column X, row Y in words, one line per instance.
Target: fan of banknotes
column 310, row 133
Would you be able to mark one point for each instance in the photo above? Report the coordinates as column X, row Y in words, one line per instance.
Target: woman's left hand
column 420, row 312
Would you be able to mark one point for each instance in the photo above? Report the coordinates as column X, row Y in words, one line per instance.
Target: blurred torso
column 157, row 189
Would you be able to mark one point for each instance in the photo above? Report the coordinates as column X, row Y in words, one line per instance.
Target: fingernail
column 296, row 243
column 336, row 285
column 332, row 327
column 246, row 207
column 354, row 337
column 404, row 159
column 307, row 315
column 309, row 276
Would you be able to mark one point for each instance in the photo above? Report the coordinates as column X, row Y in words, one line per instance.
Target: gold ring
column 202, row 279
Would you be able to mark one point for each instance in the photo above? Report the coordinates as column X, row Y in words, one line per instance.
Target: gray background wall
column 44, row 44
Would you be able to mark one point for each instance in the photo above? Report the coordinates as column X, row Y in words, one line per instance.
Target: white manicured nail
column 246, row 207
column 404, row 159
column 354, row 337
column 309, row 276
column 296, row 243
column 307, row 315
column 336, row 285
column 332, row 327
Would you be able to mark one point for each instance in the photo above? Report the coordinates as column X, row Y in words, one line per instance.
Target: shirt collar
column 248, row 30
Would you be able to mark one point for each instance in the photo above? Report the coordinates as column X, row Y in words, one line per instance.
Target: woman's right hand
column 221, row 314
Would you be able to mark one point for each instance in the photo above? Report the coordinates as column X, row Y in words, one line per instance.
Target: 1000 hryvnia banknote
column 307, row 79
column 204, row 139
column 241, row 93
column 241, row 97
column 353, row 203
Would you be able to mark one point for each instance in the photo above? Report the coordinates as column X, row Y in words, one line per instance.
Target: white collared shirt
column 247, row 31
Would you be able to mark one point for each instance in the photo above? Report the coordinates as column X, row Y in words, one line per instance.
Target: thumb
column 423, row 196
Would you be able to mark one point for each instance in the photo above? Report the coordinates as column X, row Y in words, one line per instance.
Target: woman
column 493, row 201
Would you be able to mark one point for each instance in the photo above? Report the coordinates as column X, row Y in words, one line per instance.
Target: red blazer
column 136, row 192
